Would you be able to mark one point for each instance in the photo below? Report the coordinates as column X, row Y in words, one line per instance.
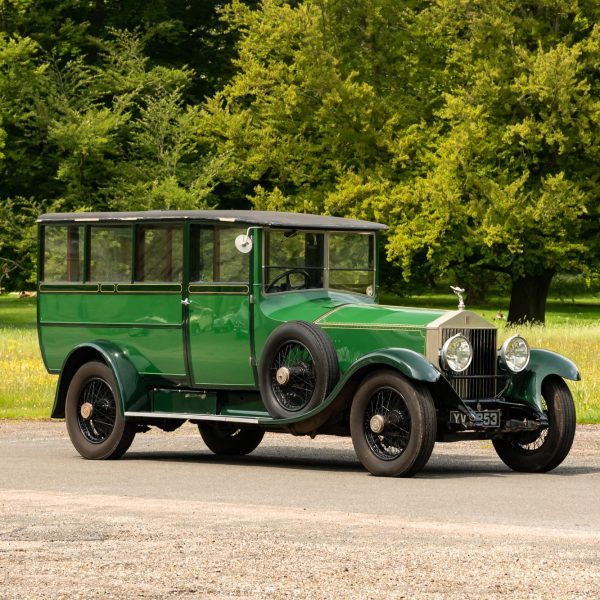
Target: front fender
column 409, row 363
column 129, row 385
column 527, row 386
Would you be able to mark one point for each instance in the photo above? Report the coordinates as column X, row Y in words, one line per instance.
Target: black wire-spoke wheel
column 530, row 442
column 293, row 378
column 389, row 407
column 228, row 439
column 543, row 450
column 94, row 420
column 393, row 424
column 96, row 411
column 298, row 368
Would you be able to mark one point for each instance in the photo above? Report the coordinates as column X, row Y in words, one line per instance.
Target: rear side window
column 110, row 254
column 214, row 258
column 159, row 253
column 63, row 253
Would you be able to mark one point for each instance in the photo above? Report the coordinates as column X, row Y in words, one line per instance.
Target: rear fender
column 131, row 391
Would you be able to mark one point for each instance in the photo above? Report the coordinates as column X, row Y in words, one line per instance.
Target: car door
column 218, row 308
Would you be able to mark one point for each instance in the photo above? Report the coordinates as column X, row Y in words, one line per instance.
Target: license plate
column 485, row 418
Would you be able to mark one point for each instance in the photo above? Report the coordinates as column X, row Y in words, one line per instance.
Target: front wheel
column 393, row 424
column 543, row 450
column 225, row 439
column 95, row 423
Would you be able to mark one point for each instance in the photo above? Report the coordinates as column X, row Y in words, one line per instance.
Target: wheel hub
column 282, row 376
column 86, row 411
column 377, row 423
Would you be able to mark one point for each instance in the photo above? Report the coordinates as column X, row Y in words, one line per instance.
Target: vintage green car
column 245, row 322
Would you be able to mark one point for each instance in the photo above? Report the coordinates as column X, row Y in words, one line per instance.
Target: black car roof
column 245, row 217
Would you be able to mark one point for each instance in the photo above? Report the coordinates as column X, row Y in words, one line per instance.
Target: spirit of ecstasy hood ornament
column 459, row 292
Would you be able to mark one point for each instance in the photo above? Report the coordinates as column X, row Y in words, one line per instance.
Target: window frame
column 326, row 260
column 139, row 255
column 132, row 254
column 194, row 251
column 81, row 262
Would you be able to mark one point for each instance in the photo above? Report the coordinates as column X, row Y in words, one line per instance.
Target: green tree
column 510, row 182
column 470, row 127
column 123, row 135
column 98, row 108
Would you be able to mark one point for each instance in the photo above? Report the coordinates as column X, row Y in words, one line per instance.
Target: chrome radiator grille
column 479, row 380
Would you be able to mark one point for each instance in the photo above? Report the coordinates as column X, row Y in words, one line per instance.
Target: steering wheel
column 288, row 284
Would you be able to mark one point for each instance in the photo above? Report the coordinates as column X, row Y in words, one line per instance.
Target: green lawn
column 573, row 329
column 17, row 312
column 26, row 390
column 582, row 311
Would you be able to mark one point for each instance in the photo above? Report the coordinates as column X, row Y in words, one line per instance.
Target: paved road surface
column 298, row 518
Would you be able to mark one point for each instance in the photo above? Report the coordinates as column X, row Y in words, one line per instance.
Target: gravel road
column 297, row 519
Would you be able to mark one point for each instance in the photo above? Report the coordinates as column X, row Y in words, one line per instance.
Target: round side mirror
column 243, row 243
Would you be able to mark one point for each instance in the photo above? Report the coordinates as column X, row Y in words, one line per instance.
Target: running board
column 192, row 417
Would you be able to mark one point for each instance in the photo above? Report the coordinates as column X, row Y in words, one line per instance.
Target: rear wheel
column 543, row 450
column 393, row 424
column 95, row 423
column 225, row 439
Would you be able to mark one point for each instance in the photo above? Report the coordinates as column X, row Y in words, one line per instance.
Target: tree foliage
column 470, row 127
column 99, row 108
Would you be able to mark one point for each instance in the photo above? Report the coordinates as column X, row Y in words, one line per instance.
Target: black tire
column 309, row 357
column 226, row 439
column 103, row 433
column 542, row 451
column 406, row 414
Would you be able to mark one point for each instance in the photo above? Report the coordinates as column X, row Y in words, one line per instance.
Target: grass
column 573, row 329
column 581, row 343
column 26, row 390
column 583, row 311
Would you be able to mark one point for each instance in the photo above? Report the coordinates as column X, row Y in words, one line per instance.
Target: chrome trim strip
column 329, row 312
column 388, row 327
column 113, row 325
column 198, row 417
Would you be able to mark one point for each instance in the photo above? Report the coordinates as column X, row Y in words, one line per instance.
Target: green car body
column 190, row 323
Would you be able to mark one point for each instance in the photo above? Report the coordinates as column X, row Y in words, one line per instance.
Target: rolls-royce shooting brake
column 244, row 322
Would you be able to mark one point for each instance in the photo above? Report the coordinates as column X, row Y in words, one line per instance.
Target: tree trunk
column 528, row 298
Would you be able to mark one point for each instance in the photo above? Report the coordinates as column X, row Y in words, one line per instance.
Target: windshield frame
column 326, row 268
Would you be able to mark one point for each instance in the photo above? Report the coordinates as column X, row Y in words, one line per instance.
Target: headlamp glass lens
column 515, row 354
column 457, row 353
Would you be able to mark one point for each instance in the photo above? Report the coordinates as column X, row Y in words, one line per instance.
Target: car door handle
column 186, row 302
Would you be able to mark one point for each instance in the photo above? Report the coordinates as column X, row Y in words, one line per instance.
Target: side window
column 63, row 253
column 159, row 253
column 110, row 254
column 214, row 258
column 351, row 265
column 232, row 264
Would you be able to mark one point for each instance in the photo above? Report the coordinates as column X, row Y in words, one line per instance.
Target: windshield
column 300, row 260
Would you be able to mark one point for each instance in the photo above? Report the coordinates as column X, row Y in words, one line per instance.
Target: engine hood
column 376, row 316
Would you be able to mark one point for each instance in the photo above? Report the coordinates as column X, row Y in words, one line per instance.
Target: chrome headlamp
column 456, row 354
column 514, row 354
